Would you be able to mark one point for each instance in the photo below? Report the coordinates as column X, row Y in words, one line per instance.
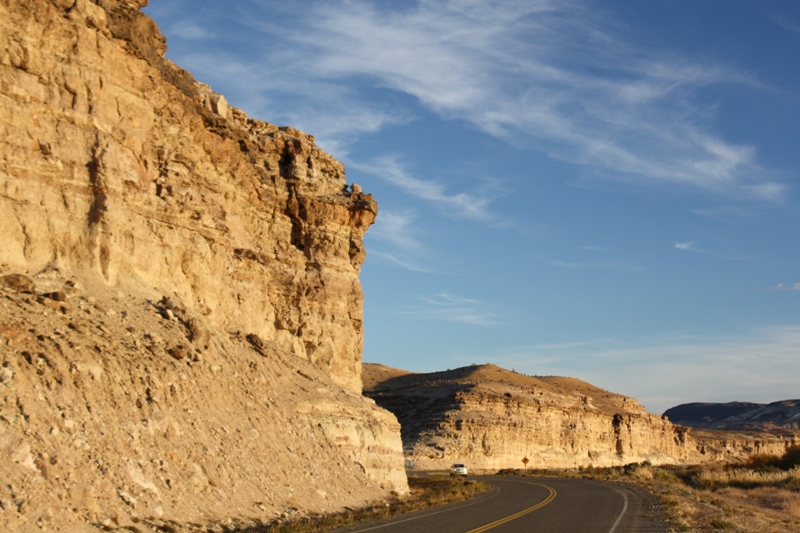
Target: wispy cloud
column 449, row 308
column 689, row 246
column 517, row 68
column 396, row 239
column 444, row 299
column 333, row 112
column 396, row 229
column 760, row 365
column 407, row 263
column 190, row 31
column 463, row 204
column 784, row 22
column 725, row 213
column 780, row 287
column 623, row 266
column 554, row 75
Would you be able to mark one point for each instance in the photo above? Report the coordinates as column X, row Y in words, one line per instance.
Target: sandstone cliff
column 116, row 160
column 492, row 418
column 180, row 312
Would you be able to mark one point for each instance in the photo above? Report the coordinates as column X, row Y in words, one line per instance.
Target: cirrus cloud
column 551, row 75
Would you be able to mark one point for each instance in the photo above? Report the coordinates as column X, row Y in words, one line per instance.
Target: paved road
column 536, row 505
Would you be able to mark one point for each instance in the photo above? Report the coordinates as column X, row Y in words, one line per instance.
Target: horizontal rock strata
column 115, row 159
column 491, row 418
column 180, row 310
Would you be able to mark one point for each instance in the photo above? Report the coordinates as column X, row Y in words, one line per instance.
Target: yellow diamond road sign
column 525, row 460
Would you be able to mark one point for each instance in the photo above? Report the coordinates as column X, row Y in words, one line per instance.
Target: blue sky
column 602, row 190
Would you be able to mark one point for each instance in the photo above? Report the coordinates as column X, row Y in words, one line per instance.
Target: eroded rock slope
column 180, row 310
column 120, row 408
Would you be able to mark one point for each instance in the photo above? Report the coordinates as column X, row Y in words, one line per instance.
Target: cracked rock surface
column 180, row 310
column 115, row 412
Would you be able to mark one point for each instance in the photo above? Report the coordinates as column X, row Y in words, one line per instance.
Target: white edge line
column 624, row 509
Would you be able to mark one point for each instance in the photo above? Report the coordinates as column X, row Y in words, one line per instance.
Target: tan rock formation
column 492, row 418
column 115, row 159
column 180, row 311
column 120, row 409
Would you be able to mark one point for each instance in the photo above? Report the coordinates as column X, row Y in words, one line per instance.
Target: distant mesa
column 783, row 414
column 490, row 418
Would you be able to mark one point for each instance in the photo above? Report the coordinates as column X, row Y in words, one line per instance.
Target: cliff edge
column 180, row 309
column 117, row 161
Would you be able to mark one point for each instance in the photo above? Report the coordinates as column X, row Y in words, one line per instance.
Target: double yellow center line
column 509, row 518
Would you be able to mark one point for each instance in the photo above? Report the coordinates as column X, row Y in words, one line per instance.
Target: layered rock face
column 492, row 418
column 116, row 160
column 180, row 310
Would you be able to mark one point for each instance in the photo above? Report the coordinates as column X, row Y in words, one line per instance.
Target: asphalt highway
column 535, row 505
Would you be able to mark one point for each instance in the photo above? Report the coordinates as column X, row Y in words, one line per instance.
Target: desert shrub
column 438, row 490
column 762, row 461
column 718, row 523
column 640, row 471
column 791, row 458
column 665, row 475
column 794, row 477
column 644, row 473
column 632, row 467
column 509, row 472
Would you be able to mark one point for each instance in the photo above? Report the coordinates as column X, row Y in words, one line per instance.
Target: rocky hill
column 492, row 418
column 180, row 310
column 777, row 416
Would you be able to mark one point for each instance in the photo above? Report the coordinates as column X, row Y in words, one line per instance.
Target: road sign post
column 525, row 462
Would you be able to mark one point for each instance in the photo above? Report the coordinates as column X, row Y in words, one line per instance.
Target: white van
column 458, row 469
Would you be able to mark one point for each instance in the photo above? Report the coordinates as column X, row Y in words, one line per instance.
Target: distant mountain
column 737, row 415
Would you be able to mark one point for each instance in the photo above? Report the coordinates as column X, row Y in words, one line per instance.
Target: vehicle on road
column 458, row 469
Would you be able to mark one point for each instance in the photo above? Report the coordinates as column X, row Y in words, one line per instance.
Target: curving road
column 533, row 505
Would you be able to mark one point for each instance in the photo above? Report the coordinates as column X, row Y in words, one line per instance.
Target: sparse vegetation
column 427, row 491
column 788, row 461
column 761, row 495
column 747, row 478
column 718, row 523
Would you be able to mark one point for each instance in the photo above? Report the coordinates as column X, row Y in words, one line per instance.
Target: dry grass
column 643, row 473
column 774, row 498
column 428, row 491
column 715, row 499
column 746, row 478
